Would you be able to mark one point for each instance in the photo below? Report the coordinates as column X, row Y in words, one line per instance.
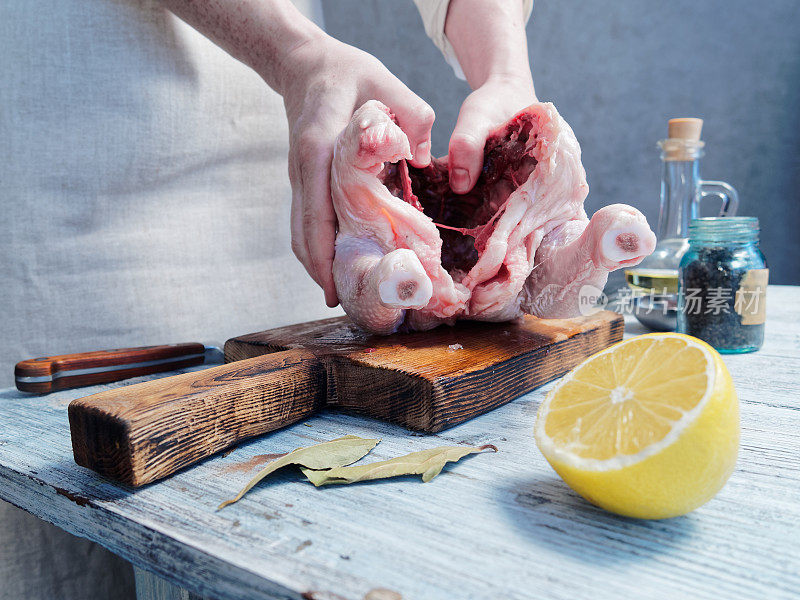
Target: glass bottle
column 723, row 284
column 655, row 279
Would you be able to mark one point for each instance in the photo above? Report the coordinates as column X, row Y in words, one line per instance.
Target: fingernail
column 459, row 180
column 331, row 300
column 422, row 155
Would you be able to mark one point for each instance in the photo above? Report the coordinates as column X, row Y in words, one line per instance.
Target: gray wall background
column 617, row 70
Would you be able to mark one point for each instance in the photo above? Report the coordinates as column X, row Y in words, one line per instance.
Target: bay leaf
column 428, row 463
column 335, row 453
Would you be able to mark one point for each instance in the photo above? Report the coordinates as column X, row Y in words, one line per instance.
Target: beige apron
column 145, row 199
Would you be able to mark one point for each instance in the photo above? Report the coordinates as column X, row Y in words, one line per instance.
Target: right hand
column 324, row 81
column 483, row 111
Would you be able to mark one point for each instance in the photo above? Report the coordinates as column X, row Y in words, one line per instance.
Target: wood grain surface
column 491, row 526
column 142, row 432
column 57, row 368
column 426, row 381
column 429, row 381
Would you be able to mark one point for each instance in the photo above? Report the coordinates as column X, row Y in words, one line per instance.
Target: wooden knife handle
column 52, row 373
column 145, row 431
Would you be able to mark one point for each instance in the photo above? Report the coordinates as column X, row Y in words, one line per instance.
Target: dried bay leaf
column 335, row 453
column 428, row 463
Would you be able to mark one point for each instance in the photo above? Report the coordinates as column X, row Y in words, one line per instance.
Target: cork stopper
column 683, row 139
column 685, row 128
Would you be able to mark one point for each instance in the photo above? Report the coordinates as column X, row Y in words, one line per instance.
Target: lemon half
column 647, row 428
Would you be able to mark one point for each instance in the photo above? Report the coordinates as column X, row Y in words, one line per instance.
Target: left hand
column 485, row 109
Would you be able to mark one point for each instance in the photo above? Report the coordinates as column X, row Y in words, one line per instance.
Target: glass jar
column 723, row 284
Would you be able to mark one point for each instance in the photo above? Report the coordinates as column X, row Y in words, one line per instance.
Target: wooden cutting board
column 426, row 381
column 429, row 381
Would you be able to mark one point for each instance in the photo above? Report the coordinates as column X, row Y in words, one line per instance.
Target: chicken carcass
column 412, row 253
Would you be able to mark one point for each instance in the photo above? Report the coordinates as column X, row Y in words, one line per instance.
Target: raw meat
column 412, row 254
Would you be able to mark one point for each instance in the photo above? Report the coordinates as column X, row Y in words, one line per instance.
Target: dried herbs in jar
column 723, row 284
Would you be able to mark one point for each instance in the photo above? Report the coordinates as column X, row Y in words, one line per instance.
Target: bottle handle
column 725, row 192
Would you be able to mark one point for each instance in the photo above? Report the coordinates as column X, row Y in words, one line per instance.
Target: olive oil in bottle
column 682, row 191
column 653, row 281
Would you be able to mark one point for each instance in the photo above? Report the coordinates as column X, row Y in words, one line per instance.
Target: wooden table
column 493, row 526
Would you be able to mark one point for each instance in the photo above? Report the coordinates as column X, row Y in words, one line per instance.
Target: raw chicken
column 412, row 254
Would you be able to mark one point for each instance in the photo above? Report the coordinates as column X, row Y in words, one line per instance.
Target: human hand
column 323, row 82
column 485, row 109
column 488, row 37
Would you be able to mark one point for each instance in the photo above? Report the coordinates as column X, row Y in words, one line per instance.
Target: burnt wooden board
column 426, row 381
column 429, row 381
column 145, row 431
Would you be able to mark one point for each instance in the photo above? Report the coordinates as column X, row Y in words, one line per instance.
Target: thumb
column 465, row 154
column 414, row 117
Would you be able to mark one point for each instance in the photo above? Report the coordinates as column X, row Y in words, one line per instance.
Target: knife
column 52, row 373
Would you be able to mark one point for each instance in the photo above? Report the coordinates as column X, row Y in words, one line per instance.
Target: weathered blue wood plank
column 493, row 526
column 153, row 587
